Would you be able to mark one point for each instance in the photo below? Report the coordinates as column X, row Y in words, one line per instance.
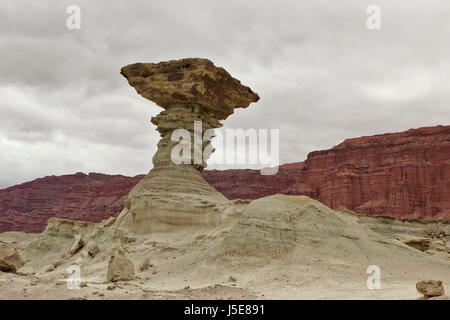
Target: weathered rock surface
column 250, row 184
column 174, row 193
column 419, row 243
column 10, row 260
column 92, row 248
column 293, row 229
column 430, row 288
column 145, row 264
column 51, row 267
column 93, row 197
column 119, row 267
column 192, row 82
column 428, row 245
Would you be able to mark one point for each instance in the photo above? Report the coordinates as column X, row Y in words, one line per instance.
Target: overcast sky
column 322, row 75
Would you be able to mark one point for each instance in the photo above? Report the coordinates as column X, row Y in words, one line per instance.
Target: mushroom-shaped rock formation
column 174, row 193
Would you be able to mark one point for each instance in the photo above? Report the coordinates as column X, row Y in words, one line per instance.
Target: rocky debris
column 419, row 243
column 402, row 175
column 145, row 264
column 119, row 267
column 65, row 227
column 430, row 288
column 282, row 227
column 196, row 95
column 439, row 298
column 10, row 260
column 76, row 245
column 90, row 197
column 92, row 248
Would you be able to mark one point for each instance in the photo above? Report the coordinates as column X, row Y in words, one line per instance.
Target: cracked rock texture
column 10, row 260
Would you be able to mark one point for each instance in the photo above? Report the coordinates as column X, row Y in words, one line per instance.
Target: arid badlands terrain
column 182, row 232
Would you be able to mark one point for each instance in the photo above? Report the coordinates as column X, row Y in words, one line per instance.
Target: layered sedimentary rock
column 10, row 260
column 119, row 267
column 403, row 175
column 195, row 95
column 94, row 197
column 251, row 184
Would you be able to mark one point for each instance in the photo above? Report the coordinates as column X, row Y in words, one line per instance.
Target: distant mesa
column 403, row 175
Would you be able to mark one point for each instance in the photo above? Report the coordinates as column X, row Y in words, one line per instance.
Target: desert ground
column 276, row 247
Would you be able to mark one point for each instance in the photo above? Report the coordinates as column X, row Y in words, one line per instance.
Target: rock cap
column 191, row 81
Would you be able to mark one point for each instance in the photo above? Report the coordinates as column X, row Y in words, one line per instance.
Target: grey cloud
column 321, row 74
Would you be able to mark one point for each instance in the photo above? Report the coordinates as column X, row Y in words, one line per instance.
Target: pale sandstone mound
column 403, row 175
column 175, row 194
column 10, row 260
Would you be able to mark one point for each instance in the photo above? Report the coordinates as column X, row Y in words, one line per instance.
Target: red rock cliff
column 405, row 175
column 93, row 197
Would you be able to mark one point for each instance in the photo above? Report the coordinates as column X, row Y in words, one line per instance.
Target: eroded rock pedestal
column 10, row 260
column 174, row 194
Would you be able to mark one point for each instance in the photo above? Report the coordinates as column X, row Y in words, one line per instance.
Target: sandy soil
column 278, row 247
